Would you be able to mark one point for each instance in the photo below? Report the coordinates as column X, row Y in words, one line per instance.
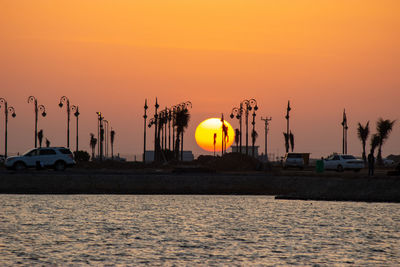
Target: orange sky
column 109, row 55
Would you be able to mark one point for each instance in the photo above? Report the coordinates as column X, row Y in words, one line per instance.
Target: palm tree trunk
column 182, row 147
column 363, row 154
column 379, row 156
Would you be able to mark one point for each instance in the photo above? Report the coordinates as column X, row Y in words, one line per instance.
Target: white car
column 343, row 162
column 50, row 157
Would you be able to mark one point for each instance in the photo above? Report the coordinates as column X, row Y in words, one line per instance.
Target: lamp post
column 345, row 127
column 266, row 121
column 249, row 105
column 238, row 112
column 76, row 114
column 106, row 137
column 7, row 109
column 65, row 100
column 37, row 109
column 101, row 134
column 144, row 130
column 253, row 106
column 287, row 117
column 156, row 141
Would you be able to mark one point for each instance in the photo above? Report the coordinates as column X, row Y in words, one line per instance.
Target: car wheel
column 339, row 168
column 59, row 166
column 19, row 166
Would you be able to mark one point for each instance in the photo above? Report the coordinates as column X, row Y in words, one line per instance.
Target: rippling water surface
column 195, row 230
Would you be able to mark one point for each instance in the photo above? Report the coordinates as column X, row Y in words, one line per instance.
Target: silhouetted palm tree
column 182, row 118
column 112, row 136
column 291, row 138
column 254, row 136
column 374, row 142
column 286, row 136
column 40, row 137
column 383, row 127
column 93, row 143
column 363, row 133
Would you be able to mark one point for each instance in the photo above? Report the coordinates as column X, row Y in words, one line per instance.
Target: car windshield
column 29, row 152
column 348, row 157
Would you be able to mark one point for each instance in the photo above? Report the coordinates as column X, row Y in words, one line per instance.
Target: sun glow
column 205, row 134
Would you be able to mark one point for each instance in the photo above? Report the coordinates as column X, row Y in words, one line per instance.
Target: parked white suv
column 50, row 157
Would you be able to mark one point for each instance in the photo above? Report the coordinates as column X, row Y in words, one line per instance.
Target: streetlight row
column 245, row 107
column 40, row 108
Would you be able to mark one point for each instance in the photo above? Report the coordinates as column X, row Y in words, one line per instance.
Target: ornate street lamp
column 7, row 109
column 248, row 106
column 106, row 137
column 156, row 141
column 101, row 134
column 144, row 134
column 37, row 109
column 65, row 100
column 238, row 112
column 266, row 121
column 76, row 114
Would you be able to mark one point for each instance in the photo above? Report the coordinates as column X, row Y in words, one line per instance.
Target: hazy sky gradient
column 109, row 56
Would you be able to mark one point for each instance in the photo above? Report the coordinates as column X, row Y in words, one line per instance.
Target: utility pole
column 266, row 121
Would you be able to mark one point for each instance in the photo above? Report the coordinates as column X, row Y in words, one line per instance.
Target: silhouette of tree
column 291, row 139
column 286, row 136
column 93, row 143
column 384, row 128
column 374, row 142
column 112, row 136
column 47, row 143
column 363, row 134
column 182, row 118
column 254, row 136
column 40, row 137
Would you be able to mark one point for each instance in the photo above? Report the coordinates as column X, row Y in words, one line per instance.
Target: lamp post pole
column 266, row 121
column 144, row 133
column 101, row 134
column 76, row 109
column 37, row 109
column 253, row 106
column 7, row 109
column 155, row 130
column 106, row 137
column 287, row 126
column 63, row 100
column 238, row 113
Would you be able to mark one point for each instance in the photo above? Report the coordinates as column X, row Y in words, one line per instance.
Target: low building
column 236, row 149
column 187, row 155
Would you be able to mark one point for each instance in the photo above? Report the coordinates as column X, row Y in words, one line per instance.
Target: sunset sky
column 109, row 56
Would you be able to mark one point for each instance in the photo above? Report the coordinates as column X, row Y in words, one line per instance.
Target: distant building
column 187, row 156
column 236, row 149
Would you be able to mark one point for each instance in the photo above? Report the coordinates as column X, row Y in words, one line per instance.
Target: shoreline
column 331, row 187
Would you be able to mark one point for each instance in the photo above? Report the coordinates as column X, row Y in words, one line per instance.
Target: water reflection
column 159, row 230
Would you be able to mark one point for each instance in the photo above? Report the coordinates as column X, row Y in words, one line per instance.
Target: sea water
column 195, row 230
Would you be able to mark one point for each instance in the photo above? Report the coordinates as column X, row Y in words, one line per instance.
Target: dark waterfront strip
column 386, row 189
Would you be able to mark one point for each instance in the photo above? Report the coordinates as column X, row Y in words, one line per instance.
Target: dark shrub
column 81, row 155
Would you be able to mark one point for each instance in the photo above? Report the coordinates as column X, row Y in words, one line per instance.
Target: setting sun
column 205, row 134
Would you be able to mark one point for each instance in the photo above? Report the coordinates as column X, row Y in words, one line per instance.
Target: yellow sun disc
column 205, row 134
